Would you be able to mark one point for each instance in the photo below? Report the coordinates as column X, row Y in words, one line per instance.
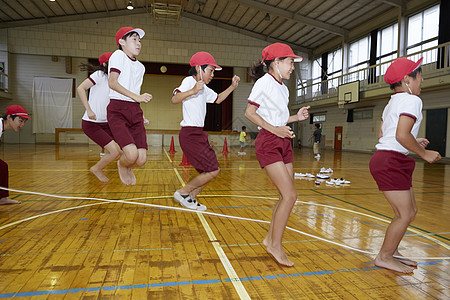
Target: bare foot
column 132, row 177
column 280, row 256
column 405, row 260
column 123, row 174
column 391, row 263
column 267, row 240
column 99, row 174
column 4, row 201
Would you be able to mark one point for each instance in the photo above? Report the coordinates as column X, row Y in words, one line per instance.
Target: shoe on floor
column 199, row 207
column 185, row 200
column 299, row 175
column 309, row 175
column 343, row 181
column 322, row 176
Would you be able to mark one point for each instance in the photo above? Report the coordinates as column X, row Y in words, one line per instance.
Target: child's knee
column 141, row 161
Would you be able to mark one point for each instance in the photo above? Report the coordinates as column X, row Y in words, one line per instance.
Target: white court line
column 237, row 283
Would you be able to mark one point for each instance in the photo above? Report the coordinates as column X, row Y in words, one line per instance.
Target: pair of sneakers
column 337, row 182
column 186, row 201
column 309, row 175
column 329, row 170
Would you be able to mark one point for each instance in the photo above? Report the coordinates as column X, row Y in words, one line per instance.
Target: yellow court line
column 237, row 283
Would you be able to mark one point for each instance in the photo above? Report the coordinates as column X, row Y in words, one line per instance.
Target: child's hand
column 235, row 81
column 431, row 156
column 284, row 132
column 146, row 122
column 145, row 97
column 303, row 113
column 198, row 86
column 91, row 115
column 423, row 142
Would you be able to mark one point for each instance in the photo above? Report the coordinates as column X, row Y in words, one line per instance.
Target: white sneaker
column 343, row 181
column 331, row 182
column 299, row 175
column 323, row 170
column 200, row 207
column 185, row 201
column 317, row 155
column 309, row 175
column 329, row 170
column 323, row 176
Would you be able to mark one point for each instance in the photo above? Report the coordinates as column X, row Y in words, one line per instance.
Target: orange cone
column 172, row 147
column 225, row 147
column 184, row 161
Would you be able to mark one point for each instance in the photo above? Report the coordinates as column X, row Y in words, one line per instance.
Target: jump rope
column 193, row 211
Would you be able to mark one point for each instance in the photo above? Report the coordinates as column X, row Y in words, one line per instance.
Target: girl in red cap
column 94, row 122
column 14, row 118
column 390, row 166
column 268, row 108
column 194, row 94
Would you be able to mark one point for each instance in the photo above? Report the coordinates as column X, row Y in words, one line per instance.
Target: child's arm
column 81, row 89
column 301, row 115
column 179, row 97
column 234, row 84
column 407, row 140
column 281, row 131
column 115, row 85
column 380, row 131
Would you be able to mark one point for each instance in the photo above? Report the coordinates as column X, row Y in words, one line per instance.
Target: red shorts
column 392, row 170
column 195, row 145
column 4, row 178
column 126, row 121
column 98, row 132
column 270, row 149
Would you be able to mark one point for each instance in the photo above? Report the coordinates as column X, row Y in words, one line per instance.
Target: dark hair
column 5, row 116
column 317, row 125
column 413, row 75
column 193, row 70
column 257, row 70
column 92, row 68
column 126, row 36
column 243, row 127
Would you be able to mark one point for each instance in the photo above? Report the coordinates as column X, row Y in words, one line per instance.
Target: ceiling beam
column 397, row 3
column 78, row 17
column 242, row 31
column 294, row 17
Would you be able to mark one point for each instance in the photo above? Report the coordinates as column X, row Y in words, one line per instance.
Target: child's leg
column 404, row 207
column 128, row 158
column 4, row 177
column 141, row 160
column 194, row 186
column 280, row 175
column 113, row 153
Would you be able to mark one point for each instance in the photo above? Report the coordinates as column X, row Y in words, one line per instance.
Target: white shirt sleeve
column 413, row 107
column 95, row 77
column 116, row 62
column 211, row 96
column 185, row 86
column 256, row 95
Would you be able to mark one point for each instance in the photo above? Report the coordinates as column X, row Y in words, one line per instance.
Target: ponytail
column 257, row 70
column 92, row 68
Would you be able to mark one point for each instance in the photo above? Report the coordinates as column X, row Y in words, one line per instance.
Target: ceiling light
column 130, row 5
column 267, row 17
column 52, row 0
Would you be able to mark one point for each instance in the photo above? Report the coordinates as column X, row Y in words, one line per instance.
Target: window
column 361, row 114
column 334, row 67
column 359, row 57
column 319, row 118
column 423, row 30
column 387, row 46
column 316, row 75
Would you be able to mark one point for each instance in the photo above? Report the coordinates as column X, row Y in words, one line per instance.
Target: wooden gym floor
column 83, row 248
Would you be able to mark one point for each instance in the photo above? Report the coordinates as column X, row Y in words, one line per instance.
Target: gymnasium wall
column 31, row 49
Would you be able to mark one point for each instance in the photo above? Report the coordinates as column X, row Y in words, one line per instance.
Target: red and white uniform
column 194, row 107
column 272, row 98
column 131, row 74
column 401, row 104
column 98, row 97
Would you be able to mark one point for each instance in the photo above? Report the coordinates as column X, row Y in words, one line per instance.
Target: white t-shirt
column 400, row 104
column 98, row 97
column 131, row 73
column 272, row 99
column 194, row 107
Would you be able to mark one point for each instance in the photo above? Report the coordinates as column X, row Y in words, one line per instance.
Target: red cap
column 279, row 50
column 124, row 30
column 18, row 111
column 399, row 68
column 104, row 57
column 203, row 58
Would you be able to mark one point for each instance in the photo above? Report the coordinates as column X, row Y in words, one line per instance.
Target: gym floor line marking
column 204, row 281
column 237, row 283
column 260, row 197
column 413, row 229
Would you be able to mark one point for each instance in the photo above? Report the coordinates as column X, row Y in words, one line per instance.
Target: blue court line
column 196, row 282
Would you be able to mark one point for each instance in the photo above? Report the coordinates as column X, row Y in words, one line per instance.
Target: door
column 436, row 129
column 338, row 138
